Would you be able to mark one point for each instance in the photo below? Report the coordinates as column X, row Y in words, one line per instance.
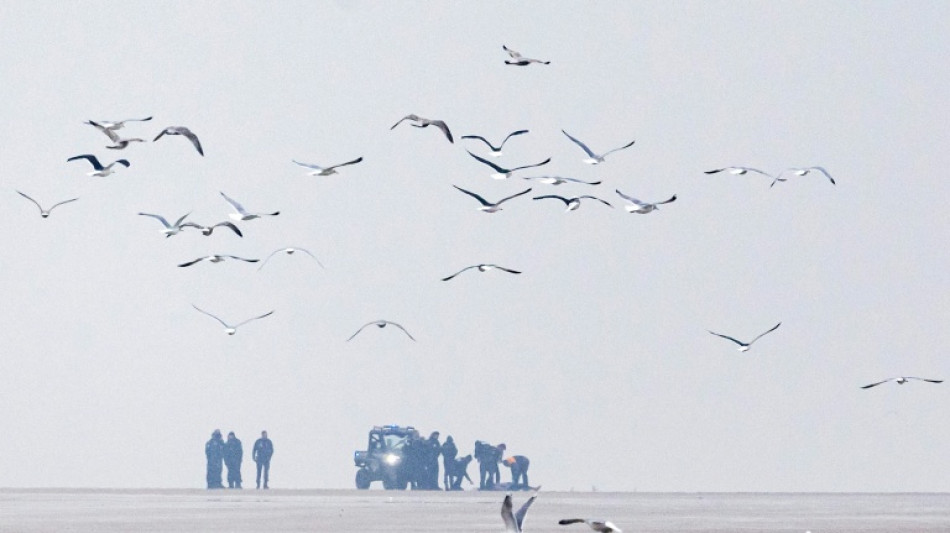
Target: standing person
column 262, row 452
column 483, row 456
column 214, row 452
column 413, row 456
column 449, row 452
column 431, row 465
column 497, row 452
column 233, row 455
column 519, row 471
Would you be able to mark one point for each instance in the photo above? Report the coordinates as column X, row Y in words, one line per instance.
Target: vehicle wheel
column 362, row 479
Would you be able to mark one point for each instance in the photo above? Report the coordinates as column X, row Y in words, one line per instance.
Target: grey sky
column 595, row 362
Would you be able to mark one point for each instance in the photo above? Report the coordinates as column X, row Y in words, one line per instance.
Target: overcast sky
column 595, row 362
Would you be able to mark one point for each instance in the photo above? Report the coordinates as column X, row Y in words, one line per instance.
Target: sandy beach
column 104, row 511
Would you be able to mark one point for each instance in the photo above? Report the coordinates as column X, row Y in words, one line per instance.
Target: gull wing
column 605, row 202
column 243, row 259
column 925, row 379
column 545, row 162
column 304, row 250
column 878, row 383
column 475, row 196
column 505, row 199
column 489, row 163
column 223, row 323
column 57, row 204
column 445, row 129
column 575, row 180
column 32, row 200
column 825, row 172
column 353, row 162
column 160, row 218
column 89, row 157
column 123, row 162
column 579, row 143
column 630, row 198
column 510, row 135
column 672, row 199
column 775, row 327
column 511, row 525
column 194, row 139
column 519, row 516
column 561, row 198
column 308, row 165
column 459, row 272
column 361, row 329
column 737, row 341
column 254, row 318
column 511, row 52
column 407, row 117
column 484, row 140
column 189, row 263
column 109, row 132
column 510, row 271
column 182, row 218
column 240, row 209
column 628, row 145
column 400, row 327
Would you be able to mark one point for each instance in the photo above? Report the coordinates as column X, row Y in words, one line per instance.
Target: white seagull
column 119, row 142
column 514, row 522
column 229, row 329
column 593, row 158
column 558, row 180
column 901, row 380
column 600, row 526
column 425, row 123
column 805, row 171
column 45, row 212
column 325, row 171
column 380, row 324
column 99, row 170
column 483, row 268
column 641, row 207
column 217, row 258
column 490, row 207
column 243, row 214
column 518, row 59
column 495, row 150
column 290, row 251
column 181, row 130
column 170, row 229
column 572, row 203
column 741, row 171
column 505, row 173
column 744, row 346
column 208, row 230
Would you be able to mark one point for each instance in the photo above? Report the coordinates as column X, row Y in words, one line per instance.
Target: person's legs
column 266, row 474
column 259, row 465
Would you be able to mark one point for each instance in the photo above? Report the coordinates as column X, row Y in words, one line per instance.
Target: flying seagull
column 518, row 59
column 482, row 268
column 572, row 203
column 99, row 170
column 229, row 329
column 744, row 346
column 113, row 125
column 45, row 212
column 514, row 522
column 641, row 207
column 243, row 214
column 170, row 229
column 380, row 324
column 208, row 230
column 805, row 171
column 290, row 251
column 741, row 171
column 593, row 158
column 901, row 380
column 495, row 150
column 558, row 180
column 326, row 171
column 505, row 173
column 487, row 206
column 601, row 526
column 119, row 142
column 425, row 123
column 181, row 130
column 216, row 258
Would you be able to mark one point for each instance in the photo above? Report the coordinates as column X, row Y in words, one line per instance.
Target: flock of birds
column 240, row 214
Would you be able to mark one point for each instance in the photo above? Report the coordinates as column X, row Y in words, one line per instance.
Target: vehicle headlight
column 391, row 459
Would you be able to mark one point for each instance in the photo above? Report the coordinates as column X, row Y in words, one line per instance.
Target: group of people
column 421, row 465
column 230, row 453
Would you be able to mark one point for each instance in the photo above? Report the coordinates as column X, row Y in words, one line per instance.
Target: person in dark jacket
column 413, row 455
column 430, row 465
column 449, row 452
column 233, row 455
column 214, row 453
column 519, row 471
column 262, row 452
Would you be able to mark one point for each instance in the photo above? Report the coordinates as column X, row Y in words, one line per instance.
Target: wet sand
column 89, row 510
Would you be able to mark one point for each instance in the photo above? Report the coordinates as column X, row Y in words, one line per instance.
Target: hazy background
column 595, row 362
